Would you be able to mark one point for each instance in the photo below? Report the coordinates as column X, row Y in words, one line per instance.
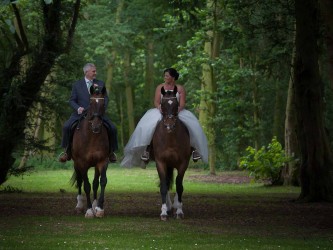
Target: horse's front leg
column 177, row 204
column 163, row 192
column 87, row 189
column 103, row 181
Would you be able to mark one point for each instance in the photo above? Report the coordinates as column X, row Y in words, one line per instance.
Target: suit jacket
column 80, row 96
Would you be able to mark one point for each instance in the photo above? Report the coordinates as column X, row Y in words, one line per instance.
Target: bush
column 266, row 163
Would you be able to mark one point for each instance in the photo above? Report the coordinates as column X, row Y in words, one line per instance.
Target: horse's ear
column 92, row 89
column 103, row 90
column 163, row 91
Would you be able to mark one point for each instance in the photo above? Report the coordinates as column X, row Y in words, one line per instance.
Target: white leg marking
column 164, row 214
column 164, row 209
column 179, row 206
column 175, row 201
column 99, row 213
column 89, row 213
column 79, row 205
column 94, row 205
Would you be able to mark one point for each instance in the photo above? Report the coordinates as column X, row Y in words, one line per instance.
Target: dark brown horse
column 90, row 148
column 171, row 150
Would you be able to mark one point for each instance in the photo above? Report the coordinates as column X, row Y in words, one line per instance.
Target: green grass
column 134, row 179
column 135, row 233
column 217, row 216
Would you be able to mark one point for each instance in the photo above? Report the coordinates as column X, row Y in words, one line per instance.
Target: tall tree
column 326, row 7
column 19, row 85
column 316, row 154
column 208, row 86
column 290, row 172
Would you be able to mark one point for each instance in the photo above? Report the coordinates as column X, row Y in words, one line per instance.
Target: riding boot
column 112, row 157
column 145, row 155
column 65, row 156
column 195, row 155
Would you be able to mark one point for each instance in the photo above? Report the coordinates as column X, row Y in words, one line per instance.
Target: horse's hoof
column 79, row 210
column 164, row 217
column 99, row 212
column 89, row 214
column 179, row 216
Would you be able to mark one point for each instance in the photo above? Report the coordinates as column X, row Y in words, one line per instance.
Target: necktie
column 89, row 84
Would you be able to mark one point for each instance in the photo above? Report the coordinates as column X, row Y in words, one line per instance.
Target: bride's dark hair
column 172, row 72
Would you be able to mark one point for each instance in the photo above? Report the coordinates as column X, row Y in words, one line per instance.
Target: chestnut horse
column 90, row 148
column 171, row 150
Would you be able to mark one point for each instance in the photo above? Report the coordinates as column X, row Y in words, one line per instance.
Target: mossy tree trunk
column 208, row 86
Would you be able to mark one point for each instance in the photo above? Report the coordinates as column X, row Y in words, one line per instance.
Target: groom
column 79, row 101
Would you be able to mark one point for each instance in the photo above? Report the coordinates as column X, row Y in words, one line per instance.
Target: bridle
column 169, row 119
column 96, row 128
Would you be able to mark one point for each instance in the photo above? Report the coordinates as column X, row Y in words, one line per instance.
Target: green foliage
column 253, row 60
column 265, row 163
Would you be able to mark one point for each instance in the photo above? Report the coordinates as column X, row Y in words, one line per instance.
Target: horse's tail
column 73, row 180
column 169, row 177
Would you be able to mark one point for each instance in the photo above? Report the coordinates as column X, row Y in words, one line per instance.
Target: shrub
column 265, row 163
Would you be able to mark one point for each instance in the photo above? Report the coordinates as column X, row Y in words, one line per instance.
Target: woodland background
column 253, row 71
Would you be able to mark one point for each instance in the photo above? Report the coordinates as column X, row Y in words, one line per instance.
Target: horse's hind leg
column 79, row 206
column 100, row 203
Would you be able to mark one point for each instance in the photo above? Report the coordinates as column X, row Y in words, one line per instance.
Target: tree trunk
column 208, row 87
column 149, row 86
column 316, row 154
column 326, row 7
column 290, row 172
column 129, row 94
column 14, row 110
column 110, row 61
column 256, row 120
column 277, row 129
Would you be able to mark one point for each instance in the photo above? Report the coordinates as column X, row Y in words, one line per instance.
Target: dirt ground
column 225, row 178
column 264, row 214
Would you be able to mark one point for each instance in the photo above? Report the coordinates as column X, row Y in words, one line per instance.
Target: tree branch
column 73, row 25
column 21, row 38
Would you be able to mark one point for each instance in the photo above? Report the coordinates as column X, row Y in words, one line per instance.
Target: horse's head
column 96, row 108
column 169, row 108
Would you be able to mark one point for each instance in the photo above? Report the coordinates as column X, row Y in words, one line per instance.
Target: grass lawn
column 220, row 213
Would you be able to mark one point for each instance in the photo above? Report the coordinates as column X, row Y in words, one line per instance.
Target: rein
column 95, row 128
